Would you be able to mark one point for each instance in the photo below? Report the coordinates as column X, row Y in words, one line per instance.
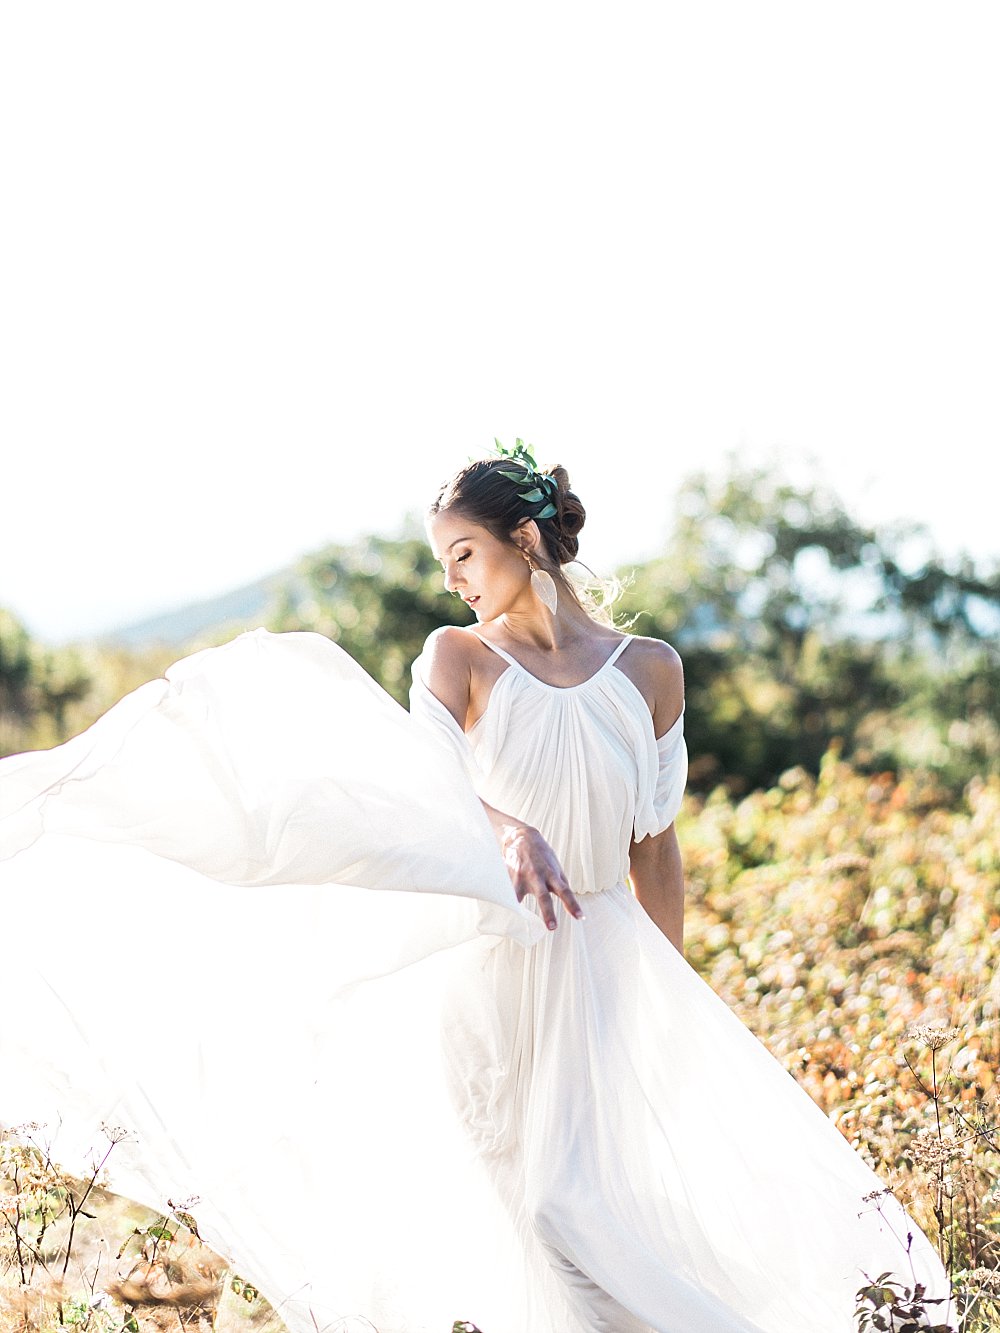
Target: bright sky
column 271, row 272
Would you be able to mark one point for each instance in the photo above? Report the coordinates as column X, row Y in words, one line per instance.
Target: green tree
column 38, row 686
column 378, row 599
column 799, row 626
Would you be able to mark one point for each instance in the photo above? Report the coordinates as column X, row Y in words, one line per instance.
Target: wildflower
column 929, row 1151
column 22, row 1131
column 933, row 1036
column 986, row 1279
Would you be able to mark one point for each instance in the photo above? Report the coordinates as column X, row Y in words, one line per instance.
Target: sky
column 271, row 273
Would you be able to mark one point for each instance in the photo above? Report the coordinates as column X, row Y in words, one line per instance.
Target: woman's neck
column 545, row 632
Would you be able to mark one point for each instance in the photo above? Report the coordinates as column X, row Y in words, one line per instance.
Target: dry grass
column 852, row 922
column 75, row 1256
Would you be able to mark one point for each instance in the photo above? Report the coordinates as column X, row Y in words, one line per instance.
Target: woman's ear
column 527, row 536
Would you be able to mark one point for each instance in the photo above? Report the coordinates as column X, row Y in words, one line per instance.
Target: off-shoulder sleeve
column 659, row 798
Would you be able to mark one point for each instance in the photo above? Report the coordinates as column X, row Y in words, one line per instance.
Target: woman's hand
column 533, row 867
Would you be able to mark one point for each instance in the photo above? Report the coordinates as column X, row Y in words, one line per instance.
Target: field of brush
column 852, row 922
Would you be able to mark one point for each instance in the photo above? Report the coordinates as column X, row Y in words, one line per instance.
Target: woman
column 496, row 558
column 602, row 1147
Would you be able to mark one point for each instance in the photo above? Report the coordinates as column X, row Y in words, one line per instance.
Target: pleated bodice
column 581, row 763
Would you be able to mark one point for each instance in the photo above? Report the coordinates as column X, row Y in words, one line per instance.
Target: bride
column 376, row 987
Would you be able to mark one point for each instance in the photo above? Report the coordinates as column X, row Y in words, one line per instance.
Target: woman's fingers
column 535, row 870
column 554, row 883
column 559, row 885
column 547, row 907
column 570, row 902
column 529, row 883
column 544, row 900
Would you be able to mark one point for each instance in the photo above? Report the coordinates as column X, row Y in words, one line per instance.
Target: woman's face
column 491, row 575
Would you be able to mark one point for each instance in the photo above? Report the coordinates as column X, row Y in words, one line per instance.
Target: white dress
column 280, row 947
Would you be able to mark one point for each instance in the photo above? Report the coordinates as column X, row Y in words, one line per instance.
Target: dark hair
column 482, row 493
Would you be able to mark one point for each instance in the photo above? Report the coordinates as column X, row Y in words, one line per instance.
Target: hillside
column 241, row 608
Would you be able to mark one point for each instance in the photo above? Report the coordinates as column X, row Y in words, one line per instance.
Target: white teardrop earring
column 543, row 585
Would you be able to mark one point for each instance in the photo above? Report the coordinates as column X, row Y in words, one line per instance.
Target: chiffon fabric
column 263, row 925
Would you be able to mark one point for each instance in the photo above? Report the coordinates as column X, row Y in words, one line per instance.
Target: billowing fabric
column 280, row 949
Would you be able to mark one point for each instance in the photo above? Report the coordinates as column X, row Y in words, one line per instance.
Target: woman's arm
column 531, row 863
column 655, row 867
column 658, row 881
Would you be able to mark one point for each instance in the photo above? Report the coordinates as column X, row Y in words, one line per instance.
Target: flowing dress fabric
column 280, row 948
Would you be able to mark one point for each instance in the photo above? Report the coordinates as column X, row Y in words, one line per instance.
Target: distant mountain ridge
column 242, row 608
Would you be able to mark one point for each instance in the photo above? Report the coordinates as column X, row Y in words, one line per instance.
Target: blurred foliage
column 379, row 600
column 49, row 694
column 847, row 919
column 37, row 687
column 798, row 627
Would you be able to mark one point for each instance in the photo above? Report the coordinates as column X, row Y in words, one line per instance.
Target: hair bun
column 492, row 492
column 570, row 517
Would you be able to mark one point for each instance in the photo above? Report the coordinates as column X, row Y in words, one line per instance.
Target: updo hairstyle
column 481, row 493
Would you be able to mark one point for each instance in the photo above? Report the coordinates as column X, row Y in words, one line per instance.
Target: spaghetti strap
column 619, row 650
column 608, row 661
column 499, row 651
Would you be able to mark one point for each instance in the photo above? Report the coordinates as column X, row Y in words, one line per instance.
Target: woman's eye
column 464, row 557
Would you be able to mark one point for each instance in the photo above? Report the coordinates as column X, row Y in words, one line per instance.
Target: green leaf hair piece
column 541, row 486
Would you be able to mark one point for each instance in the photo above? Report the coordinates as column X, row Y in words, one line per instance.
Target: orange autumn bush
column 853, row 923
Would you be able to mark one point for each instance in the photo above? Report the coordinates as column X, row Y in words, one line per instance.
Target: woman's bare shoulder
column 655, row 655
column 446, row 667
column 655, row 668
column 448, row 651
column 449, row 641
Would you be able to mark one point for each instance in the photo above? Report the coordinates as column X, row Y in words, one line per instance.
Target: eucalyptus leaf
column 532, row 496
column 548, row 512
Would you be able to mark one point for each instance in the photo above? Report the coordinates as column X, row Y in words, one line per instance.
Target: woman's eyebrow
column 448, row 548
